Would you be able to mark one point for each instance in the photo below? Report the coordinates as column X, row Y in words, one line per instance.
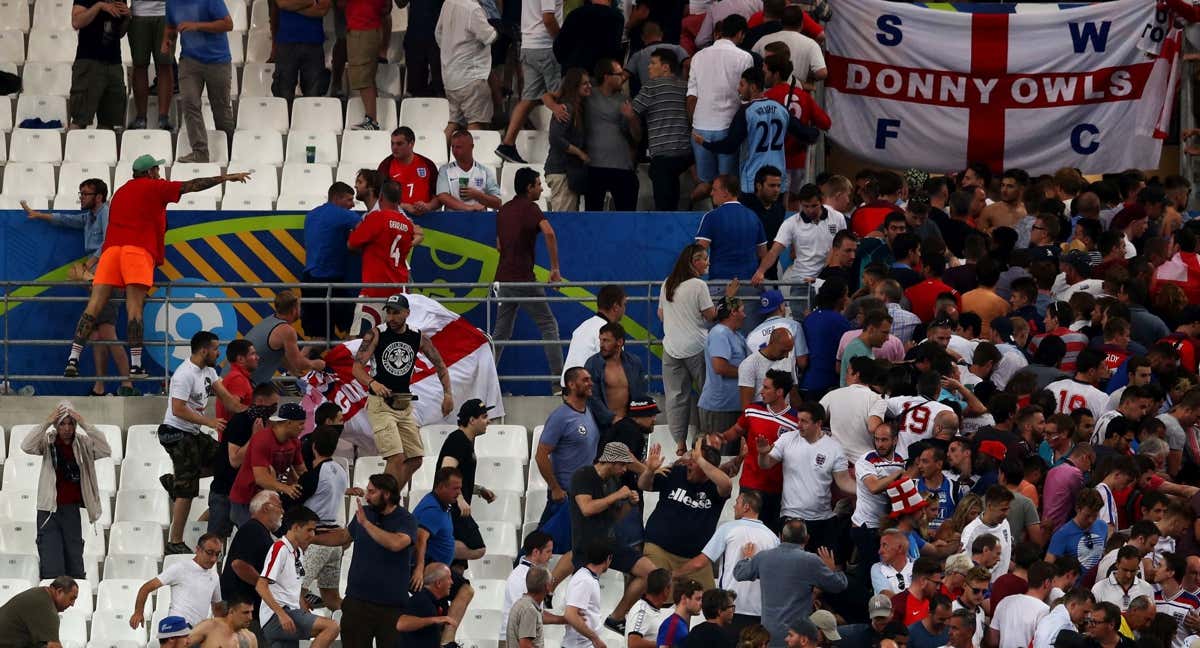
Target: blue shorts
column 277, row 638
column 708, row 164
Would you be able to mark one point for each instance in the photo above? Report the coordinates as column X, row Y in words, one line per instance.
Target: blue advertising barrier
column 203, row 248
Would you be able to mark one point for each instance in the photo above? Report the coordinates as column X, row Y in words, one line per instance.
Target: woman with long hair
column 686, row 309
column 566, row 163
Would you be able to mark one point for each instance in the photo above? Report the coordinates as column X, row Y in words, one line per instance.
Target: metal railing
column 639, row 295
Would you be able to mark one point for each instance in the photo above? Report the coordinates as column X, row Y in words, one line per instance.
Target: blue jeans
column 708, row 164
column 219, row 521
column 239, row 513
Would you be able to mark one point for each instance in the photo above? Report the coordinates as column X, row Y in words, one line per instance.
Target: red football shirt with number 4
column 385, row 238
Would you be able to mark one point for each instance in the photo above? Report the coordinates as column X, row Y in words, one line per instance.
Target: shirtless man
column 618, row 375
column 1010, row 209
column 229, row 631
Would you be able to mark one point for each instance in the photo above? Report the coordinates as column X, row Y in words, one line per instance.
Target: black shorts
column 466, row 530
column 456, row 583
column 623, row 560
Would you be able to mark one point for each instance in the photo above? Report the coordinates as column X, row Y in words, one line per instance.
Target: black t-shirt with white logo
column 395, row 358
column 686, row 515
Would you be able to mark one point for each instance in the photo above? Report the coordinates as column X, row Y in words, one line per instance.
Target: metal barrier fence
column 639, row 295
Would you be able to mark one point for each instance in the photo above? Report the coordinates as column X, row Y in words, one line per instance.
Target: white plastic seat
column 260, row 16
column 500, row 537
column 364, row 467
column 29, row 178
column 541, row 117
column 141, row 441
column 257, row 79
column 389, row 81
column 143, row 506
column 138, row 566
column 424, row 113
column 146, row 141
column 263, row 181
column 486, row 142
column 19, row 566
column 93, row 539
column 135, row 538
column 47, row 79
column 142, row 473
column 489, row 594
column 119, row 595
column 365, row 148
column 92, row 145
column 510, row 441
column 72, row 627
column 46, row 107
column 305, row 179
column 501, row 473
column 71, row 174
column 51, row 14
column 21, row 471
column 533, row 145
column 218, row 146
column 113, row 625
column 188, row 202
column 12, row 44
column 433, row 436
column 6, row 117
column 13, row 203
column 422, row 480
column 18, row 538
column 191, row 171
column 10, row 587
column 257, row 147
column 14, row 14
column 237, row 11
column 33, row 145
column 508, row 173
column 52, row 45
column 385, row 113
column 535, row 503
column 263, row 113
column 490, row 567
column 106, row 475
column 479, row 624
column 299, row 202
column 258, row 45
column 506, row 508
column 299, row 141
column 247, row 203
column 432, row 144
column 320, row 114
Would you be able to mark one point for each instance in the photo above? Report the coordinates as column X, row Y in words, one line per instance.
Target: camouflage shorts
column 192, row 456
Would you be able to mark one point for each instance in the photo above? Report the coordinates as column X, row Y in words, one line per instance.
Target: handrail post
column 7, row 317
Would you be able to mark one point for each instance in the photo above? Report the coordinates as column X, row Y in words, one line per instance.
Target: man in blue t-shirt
column 569, row 440
column 1084, row 535
column 435, row 543
column 732, row 232
column 326, row 230
column 674, row 629
column 299, row 49
column 720, row 402
column 204, row 62
column 383, row 533
column 823, row 330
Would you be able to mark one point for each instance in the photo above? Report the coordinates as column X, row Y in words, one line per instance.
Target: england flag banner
column 464, row 348
column 1086, row 86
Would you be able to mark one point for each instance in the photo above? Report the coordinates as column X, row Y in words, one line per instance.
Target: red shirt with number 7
column 385, row 238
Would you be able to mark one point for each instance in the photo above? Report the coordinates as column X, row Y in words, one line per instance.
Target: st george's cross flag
column 1087, row 86
column 464, row 348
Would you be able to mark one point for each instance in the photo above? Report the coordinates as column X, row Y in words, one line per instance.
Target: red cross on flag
column 1081, row 86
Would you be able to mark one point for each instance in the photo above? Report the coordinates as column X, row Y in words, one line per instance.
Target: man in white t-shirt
column 1121, row 474
column 644, row 618
column 812, row 462
column 808, row 64
column 773, row 306
column 195, row 585
column 1016, row 617
column 725, row 546
column 849, row 408
column 1069, row 613
column 583, row 615
column 463, row 184
column 537, row 551
column 1071, row 394
column 874, row 473
column 993, row 521
column 776, row 355
column 585, row 339
column 807, row 236
column 540, row 22
column 280, row 614
column 915, row 415
column 192, row 451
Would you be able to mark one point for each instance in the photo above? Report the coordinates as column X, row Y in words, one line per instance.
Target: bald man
column 776, row 354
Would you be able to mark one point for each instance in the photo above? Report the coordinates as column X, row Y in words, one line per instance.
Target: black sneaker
column 509, row 153
column 137, row 371
column 314, row 602
column 451, row 644
column 72, row 369
column 614, row 625
column 173, row 548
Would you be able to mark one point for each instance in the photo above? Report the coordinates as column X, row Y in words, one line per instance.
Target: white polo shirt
column 193, row 590
column 644, row 618
column 726, row 546
column 1108, row 590
column 282, row 569
column 583, row 592
column 1003, row 533
column 808, row 474
column 809, row 244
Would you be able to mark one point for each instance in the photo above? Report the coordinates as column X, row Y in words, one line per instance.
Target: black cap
column 289, row 412
column 396, row 302
column 471, row 409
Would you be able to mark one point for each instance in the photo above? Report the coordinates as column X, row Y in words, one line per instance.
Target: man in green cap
column 133, row 248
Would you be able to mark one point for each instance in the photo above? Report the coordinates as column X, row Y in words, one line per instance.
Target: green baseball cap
column 146, row 162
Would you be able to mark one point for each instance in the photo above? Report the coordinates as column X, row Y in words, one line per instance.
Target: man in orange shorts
column 133, row 248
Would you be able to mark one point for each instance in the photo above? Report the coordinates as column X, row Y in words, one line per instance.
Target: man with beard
column 192, row 452
column 380, row 571
column 366, row 188
column 569, row 442
column 232, row 452
column 1010, row 209
column 248, row 550
column 618, row 375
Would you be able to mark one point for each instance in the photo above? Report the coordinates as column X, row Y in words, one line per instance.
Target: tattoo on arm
column 431, row 352
column 200, row 184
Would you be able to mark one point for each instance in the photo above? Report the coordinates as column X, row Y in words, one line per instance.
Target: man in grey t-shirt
column 526, row 617
column 612, row 127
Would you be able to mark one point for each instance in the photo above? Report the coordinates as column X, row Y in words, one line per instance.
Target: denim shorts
column 275, row 636
column 708, row 164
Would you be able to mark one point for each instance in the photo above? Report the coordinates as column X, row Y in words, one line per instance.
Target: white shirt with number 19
column 917, row 421
column 1071, row 394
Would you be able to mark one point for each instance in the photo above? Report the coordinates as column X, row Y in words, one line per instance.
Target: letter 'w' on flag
column 464, row 349
column 1085, row 86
